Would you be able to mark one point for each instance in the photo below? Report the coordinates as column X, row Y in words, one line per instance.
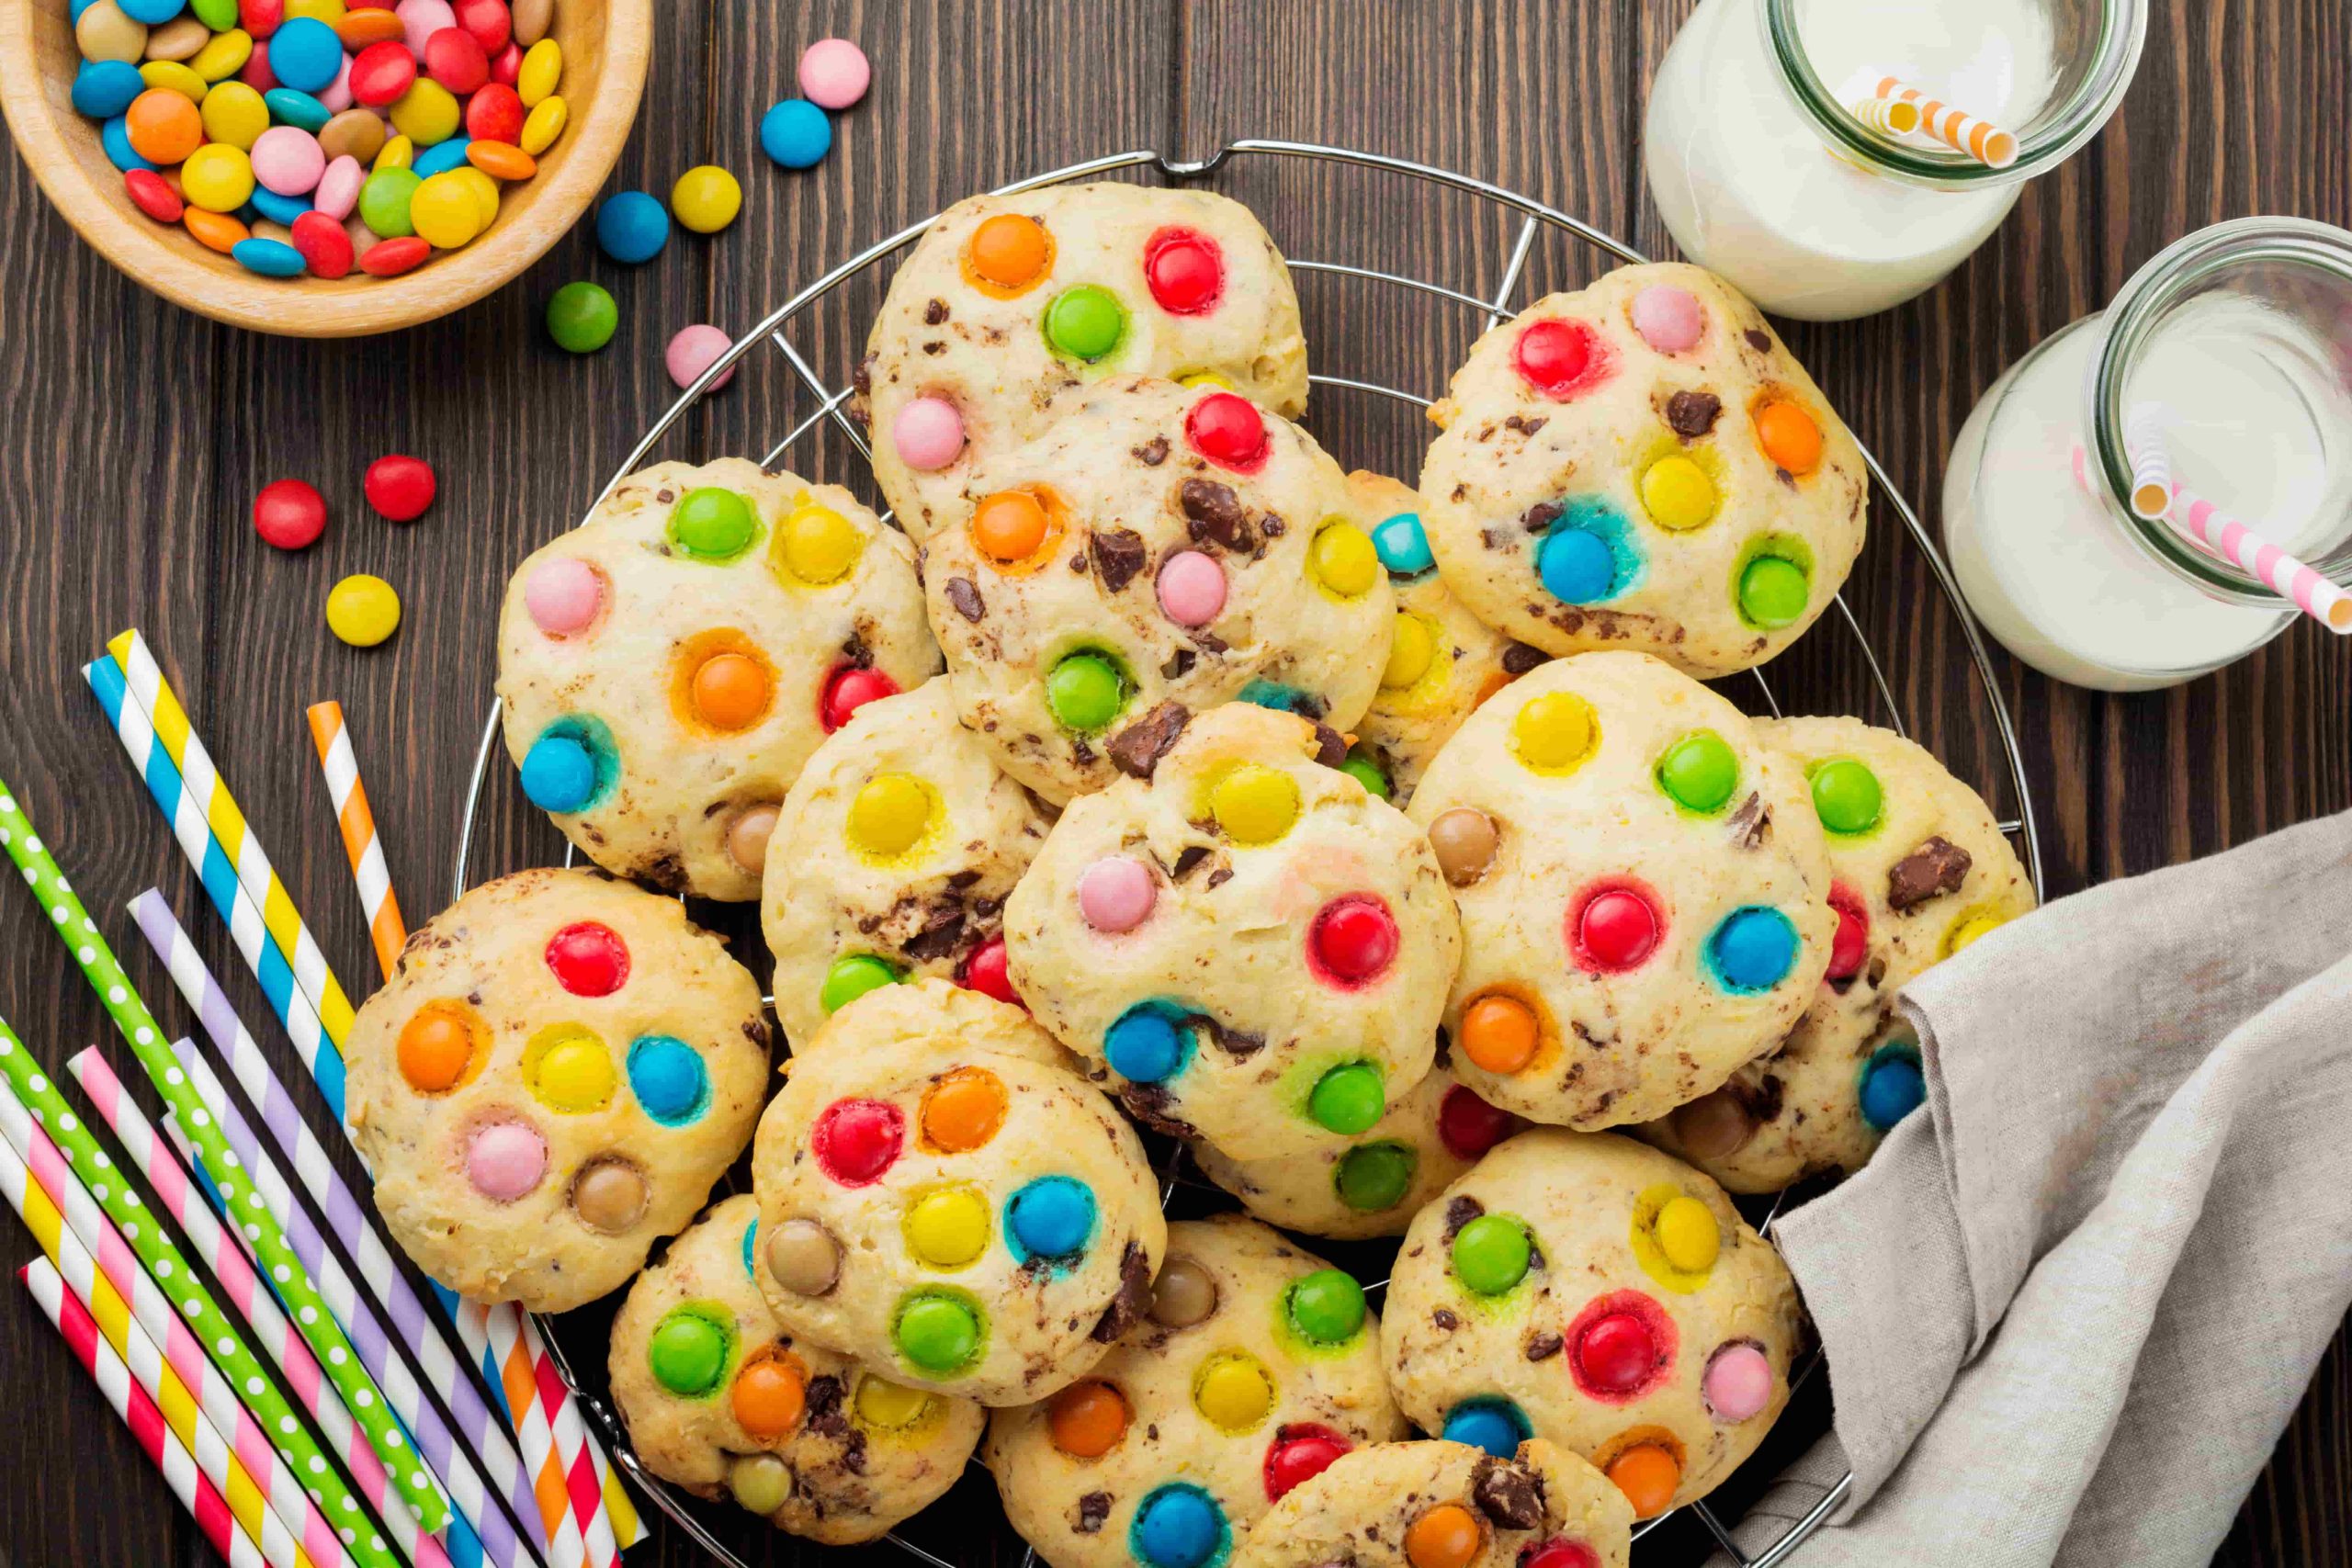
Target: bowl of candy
column 322, row 168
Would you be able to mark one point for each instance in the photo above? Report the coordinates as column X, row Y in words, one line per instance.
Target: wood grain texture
column 140, row 433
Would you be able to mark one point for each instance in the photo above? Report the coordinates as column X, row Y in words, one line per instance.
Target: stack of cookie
column 1375, row 852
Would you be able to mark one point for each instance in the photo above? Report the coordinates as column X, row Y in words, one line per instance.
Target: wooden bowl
column 606, row 45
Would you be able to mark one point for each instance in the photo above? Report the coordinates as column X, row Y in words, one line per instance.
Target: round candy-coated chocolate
column 1559, row 1553
column 1228, row 430
column 504, row 1160
column 1850, row 944
column 456, row 59
column 1698, row 772
column 947, row 1228
column 559, row 774
column 1192, row 589
column 1411, row 651
column 1679, row 496
column 609, row 1196
column 1051, row 1217
column 1555, row 732
column 1772, row 592
column 338, row 192
column 1617, row 930
column 1500, row 1033
column 1576, row 566
column 803, row 1256
column 1087, row 1419
column 1492, row 1425
column 850, row 689
column 1688, row 1234
column 937, row 1332
column 1300, row 1453
column 1184, row 1294
column 581, row 317
column 1715, row 1126
column 687, row 1352
column 1375, row 1177
column 889, row 814
column 1893, row 1088
column 768, row 1398
column 400, row 488
column 1347, row 1099
column 1184, row 271
column 1360, row 767
column 287, row 160
column 1468, row 1126
column 1233, row 1390
column 1465, row 841
column 1177, row 1526
column 795, row 135
column 563, row 595
column 1404, row 548
column 1144, row 1045
column 289, row 514
column 760, row 1482
column 1343, row 559
column 856, row 1140
column 1446, row 1536
column 363, row 610
column 1116, row 893
column 1754, row 949
column 694, row 350
column 713, row 525
column 834, row 73
column 1354, row 938
column 105, row 88
column 1326, row 1307
column 928, row 434
column 890, row 1406
column 1647, row 1475
column 1846, row 795
column 1086, row 321
column 382, row 74
column 569, row 1072
column 988, row 971
column 1553, row 355
column 1669, row 318
column 669, row 1077
column 1008, row 526
column 963, row 1110
column 1615, row 1353
column 153, row 196
column 1254, row 804
column 1491, row 1253
column 588, row 959
column 1790, row 436
column 1739, row 1382
column 748, row 836
column 632, row 227
column 1009, row 250
column 305, row 55
column 436, row 1046
column 1085, row 692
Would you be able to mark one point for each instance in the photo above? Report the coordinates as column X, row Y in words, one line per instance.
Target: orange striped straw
column 358, row 824
column 1888, row 116
column 1981, row 139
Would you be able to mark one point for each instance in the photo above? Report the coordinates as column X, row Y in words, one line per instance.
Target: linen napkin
column 2068, row 1309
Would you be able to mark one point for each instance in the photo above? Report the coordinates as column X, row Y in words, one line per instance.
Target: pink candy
column 1669, row 318
column 694, row 351
column 834, row 73
column 563, row 595
column 506, row 1160
column 1115, row 894
column 1192, row 589
column 929, row 434
column 338, row 188
column 288, row 160
column 1739, row 1384
column 337, row 96
column 422, row 18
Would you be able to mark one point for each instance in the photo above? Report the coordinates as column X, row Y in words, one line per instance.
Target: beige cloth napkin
column 2068, row 1311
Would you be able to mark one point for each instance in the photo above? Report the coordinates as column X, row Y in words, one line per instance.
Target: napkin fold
column 2068, row 1311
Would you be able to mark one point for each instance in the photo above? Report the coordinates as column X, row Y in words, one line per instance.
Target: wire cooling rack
column 712, row 1525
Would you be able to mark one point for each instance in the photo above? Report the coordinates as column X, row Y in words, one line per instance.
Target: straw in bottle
column 1981, row 139
column 1888, row 116
column 2144, row 448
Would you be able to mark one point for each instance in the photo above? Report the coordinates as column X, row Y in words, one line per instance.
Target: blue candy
column 104, row 88
column 442, row 157
column 1892, row 1087
column 1145, row 1045
column 1753, row 950
column 1403, row 547
column 1577, row 565
column 1177, row 1526
column 80, row 6
column 796, row 133
column 154, row 12
column 289, row 106
column 271, row 258
column 559, row 775
column 1494, row 1425
column 631, row 227
column 1050, row 1217
column 279, row 208
column 669, row 1080
column 114, row 136
column 306, row 55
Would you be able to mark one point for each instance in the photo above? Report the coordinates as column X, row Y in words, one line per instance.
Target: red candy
column 851, row 689
column 1621, row 1347
column 588, row 959
column 507, row 65
column 986, row 973
column 1468, row 1126
column 256, row 72
column 153, row 195
column 261, row 17
column 494, row 113
column 289, row 514
column 1616, row 928
column 1300, row 1453
column 1229, row 430
column 856, row 1140
column 456, row 59
column 399, row 486
column 390, row 258
column 1185, row 270
column 1559, row 1553
column 326, row 248
column 490, row 22
column 1851, row 944
column 1353, row 939
column 382, row 73
column 1556, row 356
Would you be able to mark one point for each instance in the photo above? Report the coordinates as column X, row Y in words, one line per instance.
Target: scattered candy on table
column 834, row 73
column 706, row 199
column 796, row 133
column 363, row 611
column 289, row 514
column 581, row 318
column 400, row 487
column 695, row 350
column 631, row 227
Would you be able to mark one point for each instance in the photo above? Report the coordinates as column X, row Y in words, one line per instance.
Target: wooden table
column 136, row 436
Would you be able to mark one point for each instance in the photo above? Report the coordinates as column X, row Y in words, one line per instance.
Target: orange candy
column 1499, row 1034
column 435, row 1045
column 163, row 127
column 963, row 1110
column 731, row 691
column 769, row 1396
column 359, row 29
column 500, row 160
column 1789, row 436
column 215, row 231
column 1647, row 1475
column 1008, row 526
column 1009, row 251
column 1448, row 1536
column 1088, row 1419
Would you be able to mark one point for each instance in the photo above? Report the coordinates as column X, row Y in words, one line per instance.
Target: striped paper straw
column 1981, row 139
column 2258, row 559
column 1888, row 116
column 84, row 1245
column 138, row 1409
column 315, row 1170
column 358, row 824
column 2144, row 448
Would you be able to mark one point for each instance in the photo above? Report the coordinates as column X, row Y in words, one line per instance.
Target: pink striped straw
column 2262, row 561
column 138, row 1411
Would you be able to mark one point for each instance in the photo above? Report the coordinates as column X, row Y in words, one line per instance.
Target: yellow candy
column 224, row 57
column 889, row 1405
column 705, row 198
column 427, row 113
column 485, row 191
column 1687, row 1233
column 947, row 1229
column 1343, row 561
column 1410, row 652
column 1255, row 804
column 1204, row 378
column 175, row 77
column 1555, row 732
column 570, row 1071
column 1233, row 1390
column 818, row 545
column 327, row 11
column 216, row 178
column 889, row 814
column 541, row 69
column 234, row 115
column 445, row 212
column 1677, row 493
column 361, row 610
column 543, row 125
column 1968, row 930
column 396, row 152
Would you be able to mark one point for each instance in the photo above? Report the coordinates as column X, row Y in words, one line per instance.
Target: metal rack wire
column 1487, row 309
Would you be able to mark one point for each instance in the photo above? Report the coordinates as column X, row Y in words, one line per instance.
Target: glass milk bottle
column 2241, row 335
column 1765, row 176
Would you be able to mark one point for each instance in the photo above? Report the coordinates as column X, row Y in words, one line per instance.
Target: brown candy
column 532, row 20
column 353, row 133
column 1715, row 1126
column 748, row 835
column 177, row 39
column 609, row 1196
column 804, row 1258
column 1184, row 1294
column 1465, row 839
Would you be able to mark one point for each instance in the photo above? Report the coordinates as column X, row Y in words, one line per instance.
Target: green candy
column 713, row 525
column 851, row 978
column 218, row 15
column 1698, row 772
column 1846, row 795
column 383, row 203
column 1326, row 1307
column 1347, row 1099
column 1085, row 692
column 1491, row 1253
column 1366, row 772
column 1085, row 323
column 1373, row 1177
column 937, row 1332
column 688, row 1352
column 581, row 317
column 1772, row 592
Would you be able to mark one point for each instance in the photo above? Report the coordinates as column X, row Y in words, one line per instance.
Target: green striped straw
column 277, row 1259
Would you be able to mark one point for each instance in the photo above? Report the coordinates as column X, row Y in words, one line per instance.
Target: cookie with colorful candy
column 1642, row 465
column 550, row 1083
column 667, row 667
column 1249, row 946
column 1159, row 551
column 1919, row 869
column 721, row 1401
column 1440, row 1505
column 943, row 1198
column 897, row 848
column 1008, row 300
column 1257, row 1366
column 1643, row 885
column 1589, row 1291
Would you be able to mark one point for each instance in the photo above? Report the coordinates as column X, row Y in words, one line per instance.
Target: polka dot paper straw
column 1986, row 143
column 358, row 825
column 2258, row 559
column 2144, row 448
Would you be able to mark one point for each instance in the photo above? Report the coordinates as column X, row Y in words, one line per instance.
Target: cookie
column 720, row 1400
column 1643, row 885
column 1247, row 946
column 943, row 1199
column 667, row 667
column 1258, row 1365
column 1008, row 300
column 550, row 1082
column 1443, row 661
column 1374, row 1184
column 893, row 855
column 1440, row 1505
column 1159, row 550
column 1642, row 465
column 1589, row 1291
column 1919, row 869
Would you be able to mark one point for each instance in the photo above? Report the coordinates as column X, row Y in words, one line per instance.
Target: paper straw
column 315, row 1170
column 2258, row 559
column 358, row 824
column 1888, row 116
column 1981, row 139
column 2144, row 448
column 146, row 1041
column 138, row 1409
